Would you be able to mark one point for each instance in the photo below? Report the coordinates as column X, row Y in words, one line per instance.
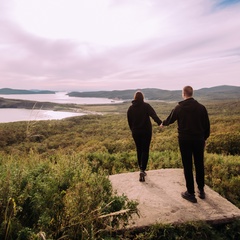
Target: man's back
column 192, row 118
column 193, row 122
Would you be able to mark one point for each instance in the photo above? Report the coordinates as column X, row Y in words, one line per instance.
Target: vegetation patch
column 54, row 174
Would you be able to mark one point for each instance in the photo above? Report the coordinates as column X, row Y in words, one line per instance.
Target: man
column 193, row 131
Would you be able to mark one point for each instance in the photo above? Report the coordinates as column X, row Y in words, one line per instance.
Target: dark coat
column 192, row 118
column 138, row 116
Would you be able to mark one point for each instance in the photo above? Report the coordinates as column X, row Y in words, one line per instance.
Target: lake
column 59, row 97
column 13, row 115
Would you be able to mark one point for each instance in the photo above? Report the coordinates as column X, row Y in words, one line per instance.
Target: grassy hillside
column 15, row 103
column 27, row 104
column 53, row 174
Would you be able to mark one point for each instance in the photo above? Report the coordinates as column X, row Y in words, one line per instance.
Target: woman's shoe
column 141, row 177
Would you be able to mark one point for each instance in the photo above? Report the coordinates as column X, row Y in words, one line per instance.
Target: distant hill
column 16, row 103
column 214, row 93
column 150, row 93
column 7, row 91
column 224, row 92
column 219, row 92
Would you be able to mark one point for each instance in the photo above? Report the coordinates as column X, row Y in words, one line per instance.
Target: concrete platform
column 160, row 200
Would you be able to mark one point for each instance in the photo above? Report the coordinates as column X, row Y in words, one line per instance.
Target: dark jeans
column 193, row 149
column 142, row 141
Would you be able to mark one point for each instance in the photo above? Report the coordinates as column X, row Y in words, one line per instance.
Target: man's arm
column 171, row 118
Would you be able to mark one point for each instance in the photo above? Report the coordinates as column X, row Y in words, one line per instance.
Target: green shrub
column 187, row 231
column 222, row 174
column 57, row 197
column 224, row 143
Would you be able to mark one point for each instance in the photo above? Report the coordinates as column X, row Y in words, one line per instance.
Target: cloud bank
column 110, row 44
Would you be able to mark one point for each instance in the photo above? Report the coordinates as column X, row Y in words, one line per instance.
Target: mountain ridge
column 7, row 91
column 221, row 92
column 212, row 93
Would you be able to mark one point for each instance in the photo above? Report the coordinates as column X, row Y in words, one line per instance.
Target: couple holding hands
column 193, row 131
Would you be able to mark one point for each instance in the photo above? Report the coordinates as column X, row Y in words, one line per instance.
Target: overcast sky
column 86, row 45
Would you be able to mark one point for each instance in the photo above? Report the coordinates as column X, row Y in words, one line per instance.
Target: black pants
column 193, row 149
column 142, row 142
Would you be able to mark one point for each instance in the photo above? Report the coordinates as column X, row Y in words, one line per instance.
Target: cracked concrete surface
column 160, row 200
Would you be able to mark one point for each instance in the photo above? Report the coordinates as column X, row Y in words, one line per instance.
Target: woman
column 138, row 116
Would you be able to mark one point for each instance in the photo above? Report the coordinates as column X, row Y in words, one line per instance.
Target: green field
column 54, row 174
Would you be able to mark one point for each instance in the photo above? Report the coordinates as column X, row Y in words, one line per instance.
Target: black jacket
column 138, row 116
column 192, row 118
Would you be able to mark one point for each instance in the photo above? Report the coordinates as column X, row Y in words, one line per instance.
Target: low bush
column 187, row 231
column 222, row 174
column 57, row 198
column 224, row 143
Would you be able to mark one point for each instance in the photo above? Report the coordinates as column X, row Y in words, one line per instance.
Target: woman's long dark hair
column 138, row 96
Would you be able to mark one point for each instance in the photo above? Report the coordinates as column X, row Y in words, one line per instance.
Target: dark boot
column 142, row 177
column 188, row 196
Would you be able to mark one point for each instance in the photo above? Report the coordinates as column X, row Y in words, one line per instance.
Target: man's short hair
column 188, row 91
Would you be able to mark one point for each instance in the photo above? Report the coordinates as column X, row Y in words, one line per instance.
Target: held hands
column 161, row 125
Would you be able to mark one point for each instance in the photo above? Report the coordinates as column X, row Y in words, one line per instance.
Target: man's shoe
column 201, row 194
column 190, row 197
column 142, row 177
column 145, row 174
